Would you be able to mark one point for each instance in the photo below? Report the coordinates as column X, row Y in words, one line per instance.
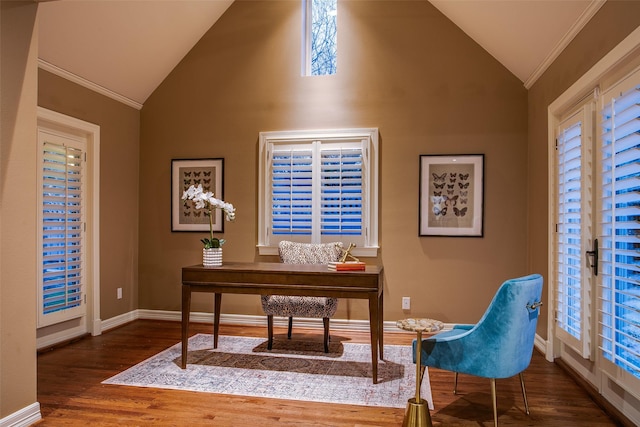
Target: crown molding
column 47, row 66
column 577, row 26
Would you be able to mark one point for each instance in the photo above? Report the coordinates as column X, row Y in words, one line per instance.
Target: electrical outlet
column 406, row 303
column 119, row 293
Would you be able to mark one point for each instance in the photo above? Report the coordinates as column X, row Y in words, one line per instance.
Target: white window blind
column 62, row 269
column 317, row 192
column 318, row 187
column 292, row 192
column 620, row 216
column 341, row 192
column 574, row 230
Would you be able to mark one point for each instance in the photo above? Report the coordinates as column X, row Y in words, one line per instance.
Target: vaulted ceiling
column 125, row 48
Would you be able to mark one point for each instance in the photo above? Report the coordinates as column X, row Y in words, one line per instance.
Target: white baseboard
column 119, row 320
column 58, row 337
column 541, row 344
column 253, row 320
column 23, row 418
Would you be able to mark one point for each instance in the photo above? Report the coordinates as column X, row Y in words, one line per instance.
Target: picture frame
column 187, row 172
column 451, row 195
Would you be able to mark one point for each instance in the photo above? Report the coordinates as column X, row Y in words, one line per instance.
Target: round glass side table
column 417, row 413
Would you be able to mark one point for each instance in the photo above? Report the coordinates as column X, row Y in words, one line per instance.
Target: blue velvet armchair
column 500, row 345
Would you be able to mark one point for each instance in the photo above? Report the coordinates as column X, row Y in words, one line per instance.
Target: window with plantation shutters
column 619, row 287
column 573, row 230
column 61, row 266
column 318, row 187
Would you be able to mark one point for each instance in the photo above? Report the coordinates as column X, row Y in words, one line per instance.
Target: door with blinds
column 574, row 229
column 61, row 237
column 596, row 268
column 619, row 226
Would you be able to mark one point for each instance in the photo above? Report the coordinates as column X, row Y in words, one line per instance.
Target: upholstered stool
column 297, row 306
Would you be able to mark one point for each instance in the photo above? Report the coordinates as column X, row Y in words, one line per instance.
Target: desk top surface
column 276, row 267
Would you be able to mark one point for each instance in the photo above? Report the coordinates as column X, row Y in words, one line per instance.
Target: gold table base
column 417, row 412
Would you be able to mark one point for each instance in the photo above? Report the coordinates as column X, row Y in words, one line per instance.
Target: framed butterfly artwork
column 451, row 195
column 188, row 172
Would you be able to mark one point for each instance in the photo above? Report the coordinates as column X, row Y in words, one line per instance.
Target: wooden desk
column 284, row 279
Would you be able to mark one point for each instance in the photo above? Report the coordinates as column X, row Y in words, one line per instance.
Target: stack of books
column 347, row 266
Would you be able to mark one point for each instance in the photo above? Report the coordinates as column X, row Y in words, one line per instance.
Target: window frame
column 369, row 137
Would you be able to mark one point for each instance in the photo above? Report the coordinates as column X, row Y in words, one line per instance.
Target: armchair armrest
column 466, row 327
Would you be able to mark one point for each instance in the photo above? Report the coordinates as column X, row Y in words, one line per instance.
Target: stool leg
column 270, row 331
column 290, row 327
column 325, row 321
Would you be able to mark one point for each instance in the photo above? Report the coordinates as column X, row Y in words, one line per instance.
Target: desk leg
column 381, row 326
column 216, row 318
column 374, row 328
column 186, row 310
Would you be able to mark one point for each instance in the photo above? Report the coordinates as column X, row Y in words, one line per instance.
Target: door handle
column 594, row 255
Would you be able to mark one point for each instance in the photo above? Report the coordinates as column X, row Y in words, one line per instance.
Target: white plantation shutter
column 620, row 221
column 292, row 192
column 318, row 186
column 574, row 230
column 341, row 192
column 61, row 295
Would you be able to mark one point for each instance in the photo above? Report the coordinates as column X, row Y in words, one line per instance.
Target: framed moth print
column 187, row 172
column 451, row 195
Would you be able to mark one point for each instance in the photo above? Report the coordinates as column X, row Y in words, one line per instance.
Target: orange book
column 347, row 266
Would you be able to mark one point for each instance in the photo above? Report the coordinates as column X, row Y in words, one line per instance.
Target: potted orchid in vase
column 212, row 251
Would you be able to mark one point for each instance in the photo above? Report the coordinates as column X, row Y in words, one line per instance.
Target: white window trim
column 370, row 135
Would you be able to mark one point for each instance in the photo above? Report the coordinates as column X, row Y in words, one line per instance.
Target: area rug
column 293, row 370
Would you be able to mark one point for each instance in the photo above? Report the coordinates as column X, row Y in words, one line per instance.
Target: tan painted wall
column 119, row 159
column 18, row 89
column 614, row 21
column 403, row 68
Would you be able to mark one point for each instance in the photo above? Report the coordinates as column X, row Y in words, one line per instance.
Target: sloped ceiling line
column 584, row 18
column 88, row 84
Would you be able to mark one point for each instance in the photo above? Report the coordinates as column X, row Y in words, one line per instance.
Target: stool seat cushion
column 295, row 306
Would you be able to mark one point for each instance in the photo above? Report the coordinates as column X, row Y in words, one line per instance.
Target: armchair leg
column 270, row 331
column 290, row 327
column 455, row 384
column 325, row 321
column 495, row 402
column 524, row 393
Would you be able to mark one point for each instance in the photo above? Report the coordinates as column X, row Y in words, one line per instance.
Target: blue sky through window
column 324, row 31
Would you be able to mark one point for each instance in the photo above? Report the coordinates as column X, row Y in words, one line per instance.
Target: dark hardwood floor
column 71, row 394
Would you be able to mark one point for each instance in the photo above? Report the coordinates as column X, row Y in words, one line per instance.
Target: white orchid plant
column 205, row 200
